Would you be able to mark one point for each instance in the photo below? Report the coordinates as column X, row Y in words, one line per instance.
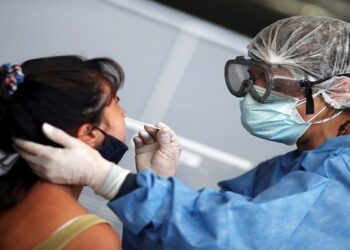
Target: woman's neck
column 71, row 190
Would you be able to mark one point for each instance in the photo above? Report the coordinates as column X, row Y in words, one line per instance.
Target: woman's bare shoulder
column 46, row 208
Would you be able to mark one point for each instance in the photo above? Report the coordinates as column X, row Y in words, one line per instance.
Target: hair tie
column 13, row 77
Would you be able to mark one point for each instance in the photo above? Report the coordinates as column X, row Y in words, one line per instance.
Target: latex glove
column 76, row 163
column 157, row 149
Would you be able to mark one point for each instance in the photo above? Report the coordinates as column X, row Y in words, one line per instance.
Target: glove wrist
column 113, row 180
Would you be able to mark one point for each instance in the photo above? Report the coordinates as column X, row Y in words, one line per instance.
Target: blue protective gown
column 293, row 201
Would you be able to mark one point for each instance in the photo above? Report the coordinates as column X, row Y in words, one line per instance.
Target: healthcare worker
column 295, row 89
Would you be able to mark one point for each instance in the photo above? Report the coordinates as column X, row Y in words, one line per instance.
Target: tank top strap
column 68, row 231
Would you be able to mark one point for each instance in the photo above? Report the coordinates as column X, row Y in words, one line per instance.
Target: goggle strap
column 309, row 100
column 308, row 92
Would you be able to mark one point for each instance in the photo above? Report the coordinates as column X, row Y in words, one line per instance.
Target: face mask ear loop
column 319, row 112
column 102, row 131
column 324, row 120
column 329, row 118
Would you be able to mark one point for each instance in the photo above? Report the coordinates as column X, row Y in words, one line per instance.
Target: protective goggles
column 244, row 75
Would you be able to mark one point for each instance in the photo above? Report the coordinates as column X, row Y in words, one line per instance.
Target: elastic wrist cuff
column 113, row 182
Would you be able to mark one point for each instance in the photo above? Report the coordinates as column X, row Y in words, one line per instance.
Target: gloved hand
column 158, row 149
column 75, row 163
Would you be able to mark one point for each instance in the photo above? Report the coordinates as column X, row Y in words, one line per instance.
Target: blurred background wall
column 173, row 53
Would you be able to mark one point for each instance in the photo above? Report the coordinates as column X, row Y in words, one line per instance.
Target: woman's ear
column 91, row 136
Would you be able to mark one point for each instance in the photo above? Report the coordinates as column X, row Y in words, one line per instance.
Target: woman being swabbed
column 79, row 96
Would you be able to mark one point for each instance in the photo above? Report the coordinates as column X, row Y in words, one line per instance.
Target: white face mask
column 278, row 120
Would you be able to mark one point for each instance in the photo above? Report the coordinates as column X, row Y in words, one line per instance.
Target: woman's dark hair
column 65, row 91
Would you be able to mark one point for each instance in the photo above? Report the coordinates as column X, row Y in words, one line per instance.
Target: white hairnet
column 318, row 45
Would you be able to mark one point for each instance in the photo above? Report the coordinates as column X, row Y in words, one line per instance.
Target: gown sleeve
column 166, row 214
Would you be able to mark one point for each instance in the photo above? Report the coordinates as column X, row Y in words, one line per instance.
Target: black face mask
column 112, row 149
